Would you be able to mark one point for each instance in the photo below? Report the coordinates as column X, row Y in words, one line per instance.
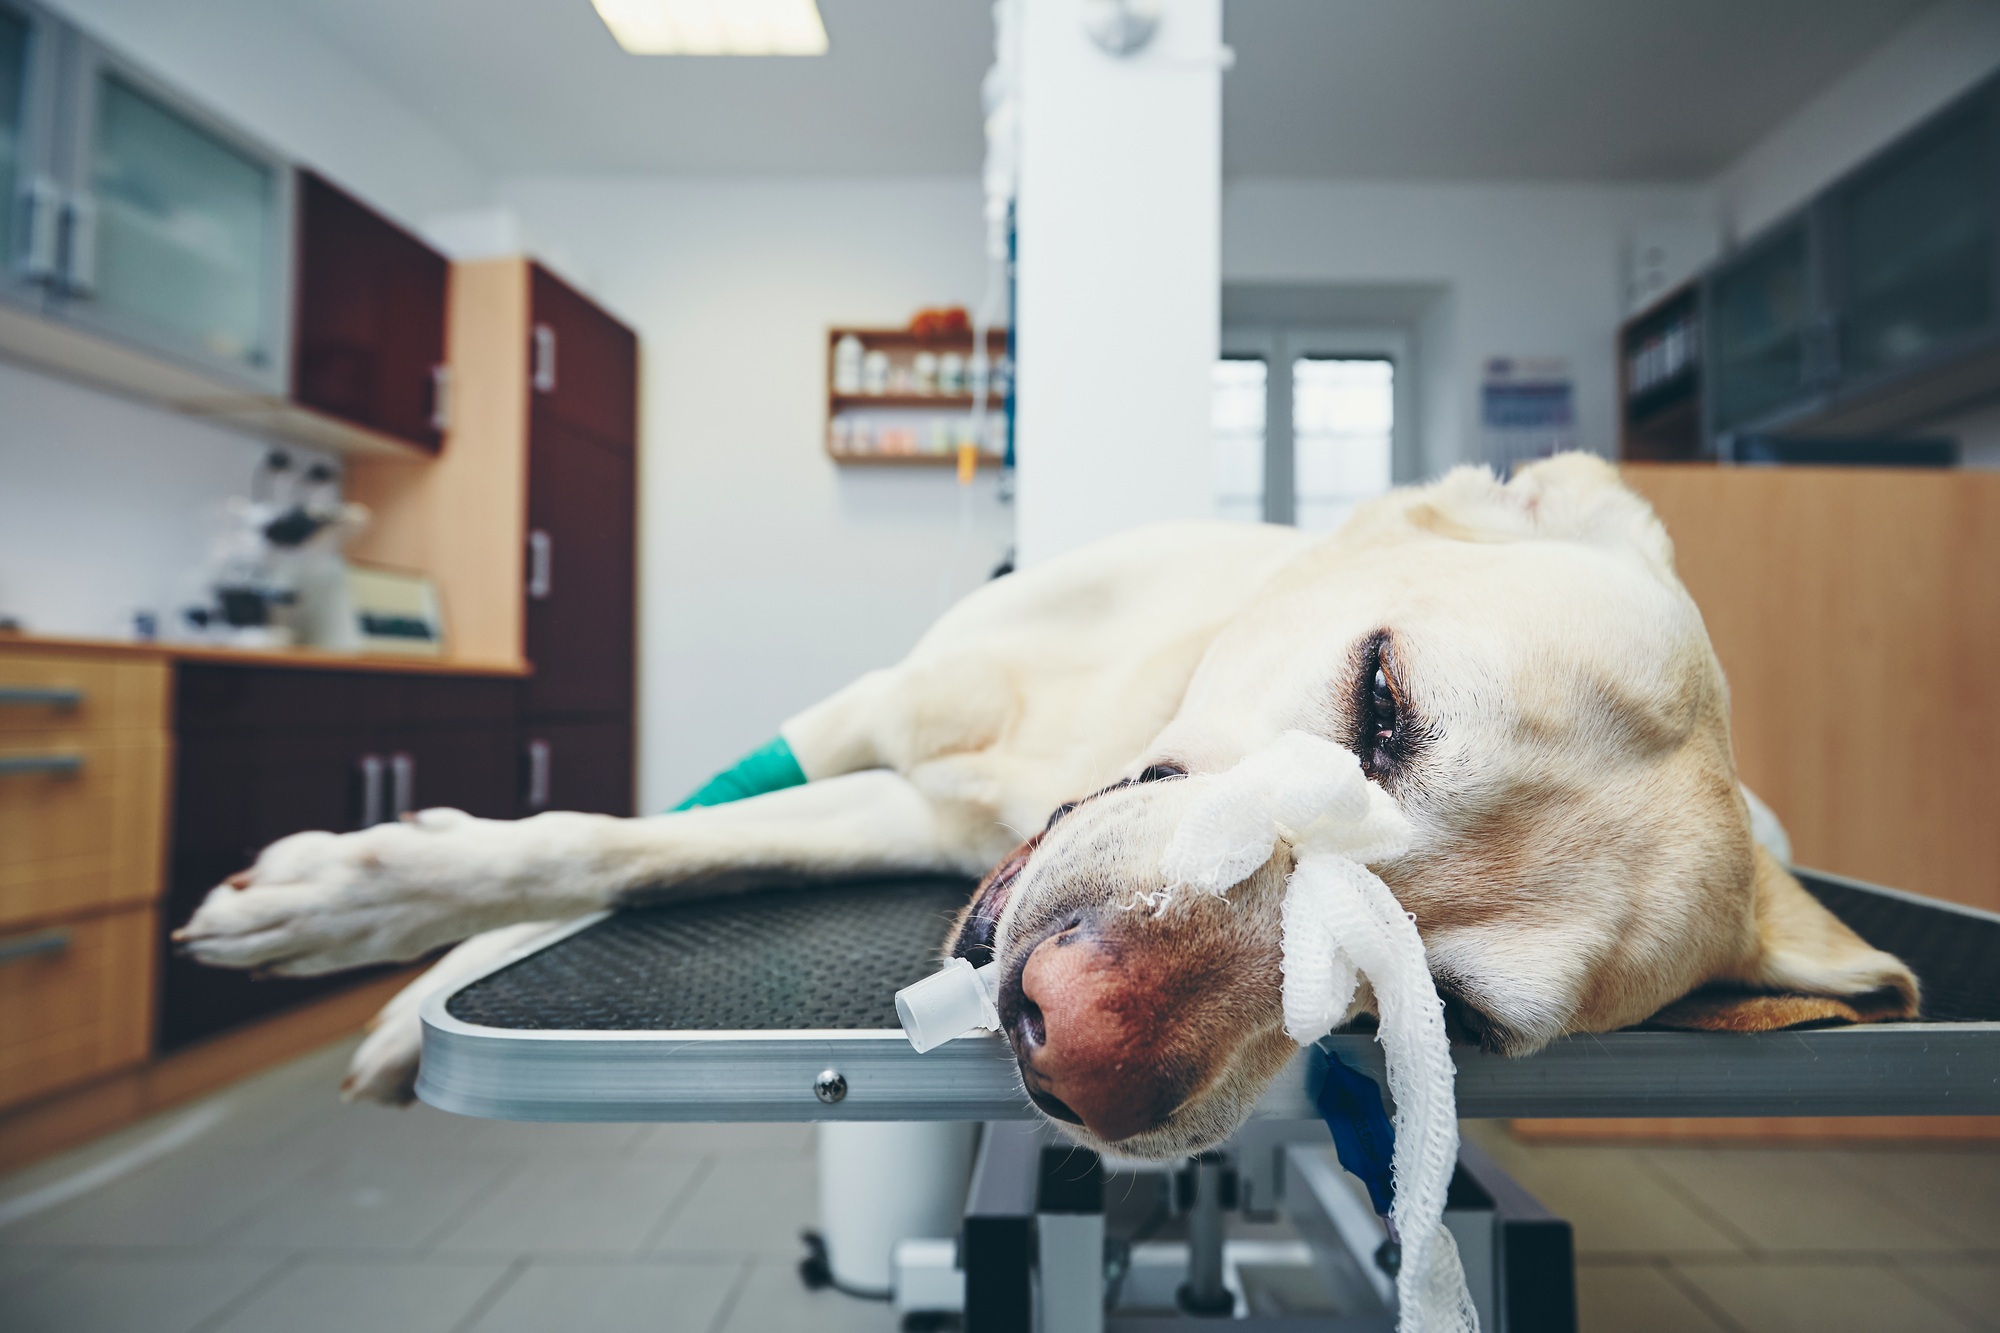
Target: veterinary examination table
column 779, row 1006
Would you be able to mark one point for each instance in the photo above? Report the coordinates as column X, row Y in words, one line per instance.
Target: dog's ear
column 1809, row 969
column 1571, row 497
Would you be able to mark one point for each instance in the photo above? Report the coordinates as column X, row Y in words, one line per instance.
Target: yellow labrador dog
column 1515, row 664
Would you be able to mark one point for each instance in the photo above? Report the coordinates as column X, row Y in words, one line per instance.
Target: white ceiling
column 1526, row 89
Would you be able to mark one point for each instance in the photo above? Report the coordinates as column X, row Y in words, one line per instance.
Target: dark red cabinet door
column 262, row 753
column 370, row 317
column 583, row 365
column 581, row 528
column 577, row 765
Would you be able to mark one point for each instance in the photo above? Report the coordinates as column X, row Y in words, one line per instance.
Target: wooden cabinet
column 579, row 583
column 529, row 521
column 578, row 628
column 1876, row 307
column 269, row 751
column 84, row 749
column 75, row 1001
column 369, row 333
column 577, row 765
column 583, row 364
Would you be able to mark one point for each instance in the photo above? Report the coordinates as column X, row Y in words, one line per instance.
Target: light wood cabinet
column 84, row 750
column 1856, row 613
column 76, row 1001
column 528, row 520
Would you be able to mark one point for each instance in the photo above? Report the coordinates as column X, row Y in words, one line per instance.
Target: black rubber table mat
column 1955, row 955
column 832, row 958
column 827, row 958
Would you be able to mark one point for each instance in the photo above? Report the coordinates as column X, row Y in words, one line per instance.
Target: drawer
column 86, row 831
column 46, row 692
column 213, row 698
column 75, row 1001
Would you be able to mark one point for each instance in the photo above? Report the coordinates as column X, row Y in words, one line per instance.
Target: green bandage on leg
column 769, row 767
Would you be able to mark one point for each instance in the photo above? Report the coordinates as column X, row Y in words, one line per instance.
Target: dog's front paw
column 320, row 902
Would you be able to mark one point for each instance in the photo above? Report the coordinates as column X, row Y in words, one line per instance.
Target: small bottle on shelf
column 847, row 355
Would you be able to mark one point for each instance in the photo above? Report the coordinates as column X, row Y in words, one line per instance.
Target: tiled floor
column 294, row 1214
column 1771, row 1240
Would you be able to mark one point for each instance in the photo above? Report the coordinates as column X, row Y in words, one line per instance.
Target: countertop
column 305, row 658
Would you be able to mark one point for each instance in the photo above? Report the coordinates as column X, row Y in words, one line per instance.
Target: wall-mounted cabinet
column 1877, row 306
column 369, row 342
column 141, row 219
column 153, row 249
column 528, row 522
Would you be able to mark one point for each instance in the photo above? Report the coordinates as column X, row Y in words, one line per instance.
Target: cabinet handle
column 440, row 398
column 62, row 697
column 371, row 790
column 41, row 944
column 402, row 785
column 80, row 245
column 41, row 205
column 545, row 359
column 541, row 564
column 55, row 765
column 538, row 775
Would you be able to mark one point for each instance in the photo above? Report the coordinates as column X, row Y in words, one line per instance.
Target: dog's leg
column 384, row 1067
column 319, row 902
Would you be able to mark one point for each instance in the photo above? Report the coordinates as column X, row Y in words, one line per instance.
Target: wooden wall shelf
column 906, row 427
column 907, row 460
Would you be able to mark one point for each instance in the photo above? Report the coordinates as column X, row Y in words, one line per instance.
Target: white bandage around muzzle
column 1341, row 924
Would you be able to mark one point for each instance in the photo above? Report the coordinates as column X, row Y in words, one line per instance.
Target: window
column 1343, row 419
column 1310, row 447
column 1238, row 422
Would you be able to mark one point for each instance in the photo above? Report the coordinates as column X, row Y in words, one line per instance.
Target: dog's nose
column 1074, row 1034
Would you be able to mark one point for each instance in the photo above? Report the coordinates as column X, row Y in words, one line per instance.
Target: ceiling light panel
column 715, row 27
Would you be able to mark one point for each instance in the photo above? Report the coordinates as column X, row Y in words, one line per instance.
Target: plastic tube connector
column 949, row 1003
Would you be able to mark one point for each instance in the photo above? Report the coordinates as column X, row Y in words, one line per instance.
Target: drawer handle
column 41, row 944
column 58, row 765
column 39, row 696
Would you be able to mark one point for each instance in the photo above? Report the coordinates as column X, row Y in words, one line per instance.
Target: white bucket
column 881, row 1183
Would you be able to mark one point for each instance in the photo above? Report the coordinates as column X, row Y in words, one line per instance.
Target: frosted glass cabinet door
column 1917, row 247
column 14, row 39
column 28, row 221
column 1761, row 312
column 177, row 235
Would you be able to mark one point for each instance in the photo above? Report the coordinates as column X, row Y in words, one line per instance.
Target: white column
column 1119, row 272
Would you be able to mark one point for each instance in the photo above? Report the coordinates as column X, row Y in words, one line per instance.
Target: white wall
column 106, row 507
column 1942, row 53
column 769, row 577
column 1117, row 297
column 1527, row 270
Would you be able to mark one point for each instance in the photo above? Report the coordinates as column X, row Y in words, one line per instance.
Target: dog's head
column 1519, row 668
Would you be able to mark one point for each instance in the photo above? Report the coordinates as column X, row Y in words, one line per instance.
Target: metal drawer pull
column 40, row 696
column 538, row 775
column 541, row 564
column 440, row 398
column 41, row 944
column 402, row 785
column 545, row 359
column 371, row 790
column 43, row 200
column 79, row 276
column 57, row 765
